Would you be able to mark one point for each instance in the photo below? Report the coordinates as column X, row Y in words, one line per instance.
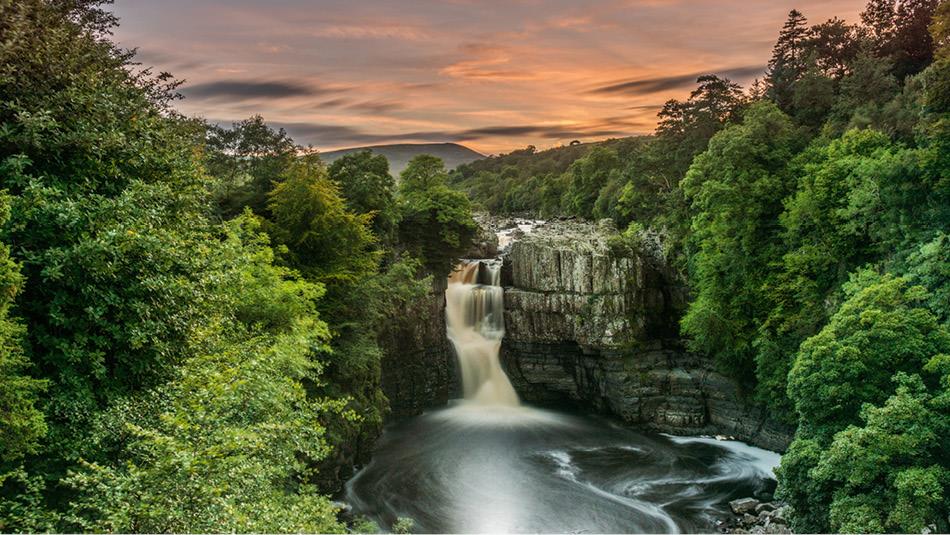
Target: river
column 488, row 463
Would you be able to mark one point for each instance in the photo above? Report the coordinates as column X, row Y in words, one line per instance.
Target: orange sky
column 491, row 75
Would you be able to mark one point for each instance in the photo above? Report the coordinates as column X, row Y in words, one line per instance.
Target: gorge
column 570, row 333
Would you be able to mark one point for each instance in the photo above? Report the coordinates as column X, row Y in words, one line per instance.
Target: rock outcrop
column 753, row 516
column 586, row 323
column 418, row 370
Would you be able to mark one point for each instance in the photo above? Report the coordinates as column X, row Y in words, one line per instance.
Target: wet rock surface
column 585, row 324
column 752, row 516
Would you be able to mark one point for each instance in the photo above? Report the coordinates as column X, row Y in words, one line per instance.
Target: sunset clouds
column 494, row 75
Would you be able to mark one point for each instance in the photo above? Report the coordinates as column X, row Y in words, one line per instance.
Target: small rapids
column 487, row 463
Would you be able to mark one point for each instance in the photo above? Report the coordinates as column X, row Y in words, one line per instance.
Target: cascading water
column 474, row 312
column 488, row 464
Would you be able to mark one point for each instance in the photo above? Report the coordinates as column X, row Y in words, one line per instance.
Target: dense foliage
column 810, row 215
column 188, row 313
column 435, row 221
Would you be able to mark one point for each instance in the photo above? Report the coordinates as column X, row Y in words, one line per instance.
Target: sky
column 492, row 75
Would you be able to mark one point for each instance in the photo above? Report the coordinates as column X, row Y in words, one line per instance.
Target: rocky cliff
column 586, row 323
column 418, row 371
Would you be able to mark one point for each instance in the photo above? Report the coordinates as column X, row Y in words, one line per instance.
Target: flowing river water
column 487, row 463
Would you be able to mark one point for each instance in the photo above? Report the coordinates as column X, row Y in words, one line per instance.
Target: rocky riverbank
column 753, row 516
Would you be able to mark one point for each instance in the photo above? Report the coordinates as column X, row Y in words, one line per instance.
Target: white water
column 488, row 464
column 474, row 313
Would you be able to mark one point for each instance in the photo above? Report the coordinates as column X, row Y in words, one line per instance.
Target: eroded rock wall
column 588, row 325
column 418, row 371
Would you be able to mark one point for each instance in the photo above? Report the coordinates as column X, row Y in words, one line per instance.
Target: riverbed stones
column 769, row 518
column 743, row 505
column 765, row 506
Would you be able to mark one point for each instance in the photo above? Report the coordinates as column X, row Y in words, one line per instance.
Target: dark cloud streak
column 252, row 89
column 646, row 86
column 346, row 136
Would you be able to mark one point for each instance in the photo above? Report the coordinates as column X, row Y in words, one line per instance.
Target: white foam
column 477, row 413
column 763, row 461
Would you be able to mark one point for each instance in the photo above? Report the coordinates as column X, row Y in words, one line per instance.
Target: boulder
column 744, row 506
column 780, row 515
column 764, row 507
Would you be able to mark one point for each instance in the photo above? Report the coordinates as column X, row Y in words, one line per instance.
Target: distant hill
column 531, row 162
column 399, row 155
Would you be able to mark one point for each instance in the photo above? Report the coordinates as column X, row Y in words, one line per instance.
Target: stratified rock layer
column 590, row 325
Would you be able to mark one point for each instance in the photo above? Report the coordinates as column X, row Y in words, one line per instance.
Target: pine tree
column 899, row 30
column 788, row 59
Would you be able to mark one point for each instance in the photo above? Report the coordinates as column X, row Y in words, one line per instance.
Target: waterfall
column 475, row 324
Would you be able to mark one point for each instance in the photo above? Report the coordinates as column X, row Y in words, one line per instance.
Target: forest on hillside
column 191, row 314
column 809, row 214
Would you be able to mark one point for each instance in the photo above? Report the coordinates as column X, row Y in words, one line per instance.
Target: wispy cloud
column 494, row 74
column 343, row 135
column 373, row 31
column 377, row 106
column 485, row 62
column 253, row 89
column 646, row 86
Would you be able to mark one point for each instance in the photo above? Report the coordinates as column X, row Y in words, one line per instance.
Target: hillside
column 399, row 155
column 529, row 161
column 531, row 181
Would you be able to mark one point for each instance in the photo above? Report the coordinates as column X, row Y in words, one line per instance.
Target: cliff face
column 586, row 324
column 418, row 370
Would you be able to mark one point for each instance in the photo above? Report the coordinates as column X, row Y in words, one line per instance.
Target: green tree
column 832, row 47
column 228, row 444
column 899, row 30
column 864, row 95
column 324, row 241
column 882, row 329
column 436, row 222
column 368, row 188
column 588, row 175
column 422, row 173
column 827, row 232
column 21, row 424
column 892, row 473
column 736, row 190
column 788, row 62
column 812, row 98
column 136, row 299
column 245, row 162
